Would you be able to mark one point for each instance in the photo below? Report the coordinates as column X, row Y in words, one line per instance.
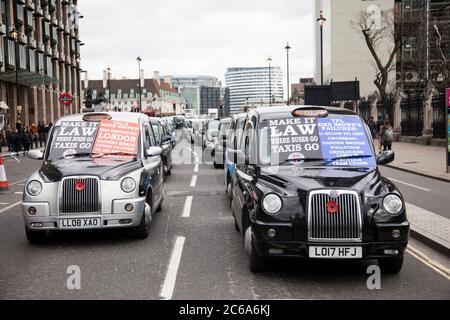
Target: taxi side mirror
column 36, row 155
column 385, row 157
column 154, row 151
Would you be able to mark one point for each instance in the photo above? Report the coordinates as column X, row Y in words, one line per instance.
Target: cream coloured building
column 346, row 55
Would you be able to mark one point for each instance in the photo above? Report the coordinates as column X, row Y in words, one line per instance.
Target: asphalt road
column 198, row 256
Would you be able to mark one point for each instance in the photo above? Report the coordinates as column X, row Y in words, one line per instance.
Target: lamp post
column 270, row 80
column 321, row 21
column 109, row 86
column 15, row 35
column 139, row 59
column 288, row 93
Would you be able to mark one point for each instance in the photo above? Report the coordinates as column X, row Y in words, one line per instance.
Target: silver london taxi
column 99, row 171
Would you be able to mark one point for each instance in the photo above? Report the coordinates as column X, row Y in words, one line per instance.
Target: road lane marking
column 187, row 207
column 18, row 192
column 18, row 182
column 10, row 207
column 428, row 264
column 193, row 181
column 411, row 185
column 171, row 276
column 196, row 168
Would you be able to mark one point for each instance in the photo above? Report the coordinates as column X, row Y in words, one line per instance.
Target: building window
column 31, row 60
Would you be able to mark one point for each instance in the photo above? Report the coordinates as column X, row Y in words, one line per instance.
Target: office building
column 254, row 85
column 195, row 81
column 39, row 60
column 345, row 52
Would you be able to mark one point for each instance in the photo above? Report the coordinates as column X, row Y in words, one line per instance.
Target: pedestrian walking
column 27, row 140
column 9, row 136
column 386, row 136
column 373, row 127
column 16, row 141
column 41, row 132
column 34, row 135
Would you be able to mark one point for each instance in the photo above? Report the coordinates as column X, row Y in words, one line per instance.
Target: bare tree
column 377, row 33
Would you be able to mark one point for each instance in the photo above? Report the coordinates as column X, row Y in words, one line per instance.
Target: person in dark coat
column 373, row 127
column 16, row 141
column 27, row 140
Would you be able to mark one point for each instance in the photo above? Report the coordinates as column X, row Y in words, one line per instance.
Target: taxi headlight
column 393, row 204
column 34, row 188
column 272, row 204
column 128, row 185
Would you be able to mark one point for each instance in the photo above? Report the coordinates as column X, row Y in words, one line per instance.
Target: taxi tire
column 35, row 237
column 142, row 231
column 391, row 265
column 257, row 264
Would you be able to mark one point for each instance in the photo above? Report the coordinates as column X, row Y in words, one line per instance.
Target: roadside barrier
column 4, row 186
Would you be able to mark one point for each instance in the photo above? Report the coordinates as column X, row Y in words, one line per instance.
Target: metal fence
column 439, row 123
column 412, row 116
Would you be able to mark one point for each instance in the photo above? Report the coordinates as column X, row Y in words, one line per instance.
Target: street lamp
column 15, row 35
column 321, row 21
column 139, row 59
column 270, row 80
column 109, row 85
column 288, row 96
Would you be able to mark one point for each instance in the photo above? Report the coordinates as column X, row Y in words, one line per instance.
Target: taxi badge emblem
column 334, row 194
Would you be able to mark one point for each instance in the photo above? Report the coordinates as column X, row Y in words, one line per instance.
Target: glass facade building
column 254, row 85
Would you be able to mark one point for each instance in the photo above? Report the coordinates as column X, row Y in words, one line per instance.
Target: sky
column 195, row 37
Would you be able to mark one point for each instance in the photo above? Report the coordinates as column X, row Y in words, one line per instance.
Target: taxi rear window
column 337, row 140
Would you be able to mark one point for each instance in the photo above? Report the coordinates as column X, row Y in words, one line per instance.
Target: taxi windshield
column 108, row 138
column 337, row 140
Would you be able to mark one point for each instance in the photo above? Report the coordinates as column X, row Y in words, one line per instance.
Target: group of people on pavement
column 382, row 130
column 23, row 139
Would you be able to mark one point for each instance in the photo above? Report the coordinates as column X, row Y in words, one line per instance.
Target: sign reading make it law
column 447, row 100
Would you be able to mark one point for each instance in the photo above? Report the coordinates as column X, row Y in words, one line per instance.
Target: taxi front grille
column 83, row 200
column 344, row 225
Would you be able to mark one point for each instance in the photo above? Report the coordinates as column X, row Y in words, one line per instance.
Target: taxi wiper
column 76, row 155
column 117, row 154
column 289, row 161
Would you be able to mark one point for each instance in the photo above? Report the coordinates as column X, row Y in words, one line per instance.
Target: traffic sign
column 66, row 99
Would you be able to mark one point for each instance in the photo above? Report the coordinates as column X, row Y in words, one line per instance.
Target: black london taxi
column 307, row 185
column 99, row 171
column 164, row 140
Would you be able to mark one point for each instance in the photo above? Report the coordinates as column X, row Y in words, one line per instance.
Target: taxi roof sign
column 310, row 112
column 96, row 117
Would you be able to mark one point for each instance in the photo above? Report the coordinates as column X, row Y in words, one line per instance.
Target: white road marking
column 18, row 183
column 171, row 276
column 187, row 207
column 193, row 181
column 193, row 152
column 196, row 168
column 411, row 185
column 10, row 207
column 18, row 192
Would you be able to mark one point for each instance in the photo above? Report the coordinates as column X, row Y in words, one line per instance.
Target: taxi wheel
column 391, row 265
column 257, row 264
column 143, row 230
column 35, row 237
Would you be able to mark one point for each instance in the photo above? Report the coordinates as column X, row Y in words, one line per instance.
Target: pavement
column 194, row 253
column 430, row 162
